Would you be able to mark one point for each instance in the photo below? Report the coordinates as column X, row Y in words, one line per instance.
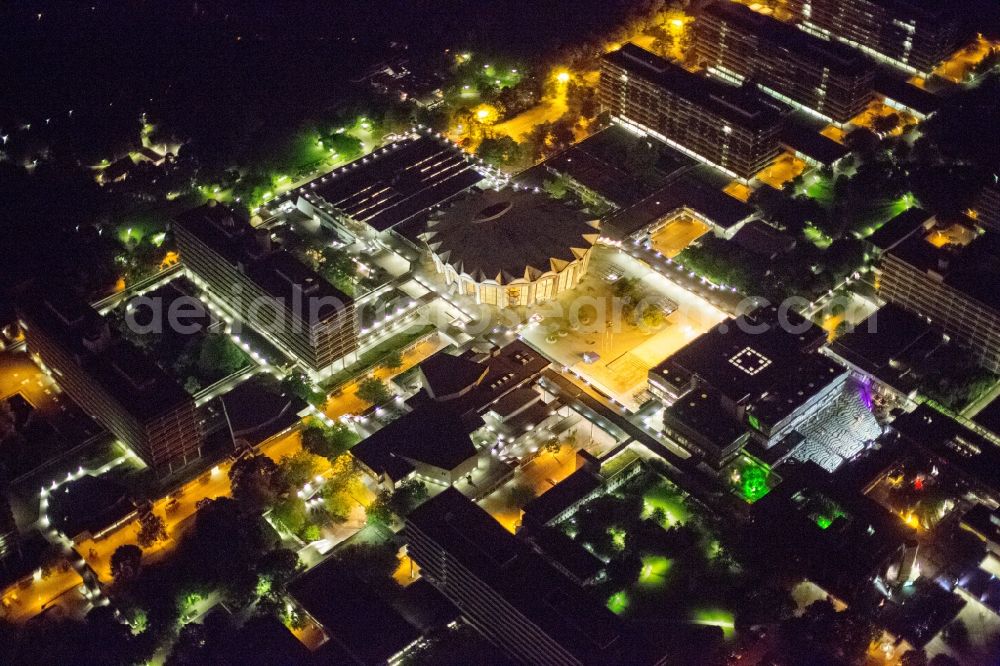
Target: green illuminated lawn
column 667, row 499
column 884, row 211
column 654, row 571
column 817, row 237
column 716, row 617
column 821, row 190
column 618, row 602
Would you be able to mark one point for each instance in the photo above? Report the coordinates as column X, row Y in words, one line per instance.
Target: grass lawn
column 668, row 499
column 821, row 190
column 716, row 617
column 654, row 571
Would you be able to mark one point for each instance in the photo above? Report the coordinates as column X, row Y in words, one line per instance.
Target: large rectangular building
column 269, row 290
column 759, row 373
column 113, row 381
column 393, row 185
column 949, row 274
column 734, row 129
column 913, row 35
column 513, row 596
column 824, row 77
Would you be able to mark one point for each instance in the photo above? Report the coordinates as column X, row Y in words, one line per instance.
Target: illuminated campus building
column 392, row 186
column 512, row 595
column 433, row 440
column 113, row 381
column 734, row 129
column 268, row 289
column 827, row 78
column 948, row 273
column 754, row 378
column 511, row 248
column 913, row 35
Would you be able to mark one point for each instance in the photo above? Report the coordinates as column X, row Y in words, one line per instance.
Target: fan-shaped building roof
column 510, row 234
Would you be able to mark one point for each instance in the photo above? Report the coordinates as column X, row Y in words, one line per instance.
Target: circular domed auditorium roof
column 510, row 235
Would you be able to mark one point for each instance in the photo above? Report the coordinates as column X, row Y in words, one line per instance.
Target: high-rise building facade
column 734, row 129
column 913, row 35
column 8, row 526
column 987, row 208
column 269, row 290
column 827, row 78
column 113, row 381
column 949, row 275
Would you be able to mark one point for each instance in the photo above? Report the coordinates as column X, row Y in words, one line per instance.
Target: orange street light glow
column 562, row 77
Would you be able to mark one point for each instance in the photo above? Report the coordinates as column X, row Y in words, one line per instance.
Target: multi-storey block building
column 117, row 384
column 950, row 274
column 513, row 596
column 987, row 210
column 269, row 290
column 734, row 129
column 913, row 35
column 824, row 77
column 758, row 376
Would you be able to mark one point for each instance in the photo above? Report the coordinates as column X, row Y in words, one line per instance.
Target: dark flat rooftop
column 684, row 192
column 964, row 449
column 701, row 410
column 432, row 434
column 362, row 623
column 397, row 182
column 806, row 140
column 891, row 85
column 87, row 504
column 740, row 106
column 445, row 374
column 563, row 551
column 594, row 173
column 899, row 228
column 561, row 496
column 972, row 269
column 989, row 417
column 256, row 411
column 889, row 335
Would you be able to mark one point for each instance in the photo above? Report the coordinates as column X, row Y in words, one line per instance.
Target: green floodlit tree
column 374, row 391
